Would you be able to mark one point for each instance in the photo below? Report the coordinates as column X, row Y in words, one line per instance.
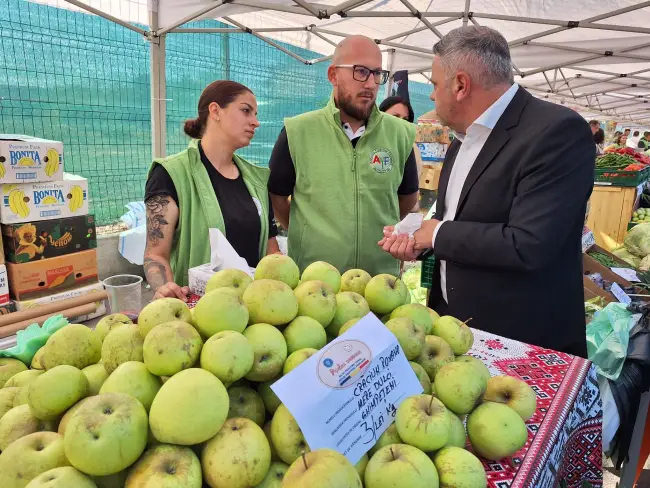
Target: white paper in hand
column 411, row 223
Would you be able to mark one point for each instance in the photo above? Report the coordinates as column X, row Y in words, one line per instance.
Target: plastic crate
column 426, row 275
column 616, row 177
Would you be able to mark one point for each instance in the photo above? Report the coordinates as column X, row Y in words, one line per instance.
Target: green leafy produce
column 614, row 161
column 605, row 260
column 627, row 256
column 411, row 279
column 641, row 215
column 637, row 240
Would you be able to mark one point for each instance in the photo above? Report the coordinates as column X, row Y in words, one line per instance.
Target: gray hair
column 481, row 52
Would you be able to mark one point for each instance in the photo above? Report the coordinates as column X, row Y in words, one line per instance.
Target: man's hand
column 404, row 248
column 172, row 290
column 424, row 235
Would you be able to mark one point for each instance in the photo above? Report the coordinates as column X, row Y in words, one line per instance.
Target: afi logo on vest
column 381, row 161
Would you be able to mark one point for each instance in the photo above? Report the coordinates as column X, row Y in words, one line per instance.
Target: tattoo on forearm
column 155, row 272
column 156, row 207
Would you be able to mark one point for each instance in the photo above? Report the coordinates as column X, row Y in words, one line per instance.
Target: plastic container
column 617, row 177
column 125, row 294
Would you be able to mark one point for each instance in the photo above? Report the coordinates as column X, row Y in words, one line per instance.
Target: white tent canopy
column 591, row 55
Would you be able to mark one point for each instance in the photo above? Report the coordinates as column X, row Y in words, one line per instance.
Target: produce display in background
column 637, row 243
column 641, row 215
column 186, row 398
column 411, row 278
column 627, row 152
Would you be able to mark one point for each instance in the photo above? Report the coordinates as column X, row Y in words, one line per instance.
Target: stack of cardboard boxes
column 48, row 236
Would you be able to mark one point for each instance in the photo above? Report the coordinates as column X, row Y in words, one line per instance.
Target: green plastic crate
column 426, row 274
column 616, row 177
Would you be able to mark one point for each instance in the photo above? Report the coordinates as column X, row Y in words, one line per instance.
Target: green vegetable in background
column 627, row 256
column 637, row 240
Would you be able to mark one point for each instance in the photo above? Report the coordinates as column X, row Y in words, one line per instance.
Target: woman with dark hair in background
column 208, row 186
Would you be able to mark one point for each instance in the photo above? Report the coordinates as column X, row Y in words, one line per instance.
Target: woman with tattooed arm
column 208, row 186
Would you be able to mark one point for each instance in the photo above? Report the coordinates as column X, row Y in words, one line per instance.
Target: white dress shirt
column 472, row 143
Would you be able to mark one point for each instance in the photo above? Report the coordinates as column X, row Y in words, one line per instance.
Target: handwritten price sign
column 345, row 396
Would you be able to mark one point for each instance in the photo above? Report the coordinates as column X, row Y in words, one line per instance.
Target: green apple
column 362, row 465
column 280, row 268
column 120, row 345
column 220, row 310
column 107, row 434
column 459, row 468
column 274, row 476
column 401, row 465
column 110, row 322
column 63, row 424
column 347, row 326
column 56, row 390
column 37, row 359
column 190, row 408
column 171, row 347
column 246, row 403
column 270, row 302
column 23, row 378
column 75, row 345
column 22, row 397
column 322, row 271
column 355, row 280
column 270, row 350
column 7, row 397
column 296, row 358
column 419, row 314
column 267, row 433
column 513, row 392
column 390, row 436
column 435, row 354
column 304, row 332
column 96, row 375
column 228, row 355
column 385, row 293
column 166, row 466
column 30, row 456
column 239, row 456
column 19, row 422
column 320, row 469
column 457, row 434
column 287, row 438
column 117, row 480
column 63, row 477
column 133, row 378
column 235, row 279
column 161, row 311
column 496, row 431
column 459, row 387
column 316, row 299
column 409, row 335
column 423, row 377
column 270, row 399
column 349, row 305
column 455, row 333
column 422, row 422
column 480, row 367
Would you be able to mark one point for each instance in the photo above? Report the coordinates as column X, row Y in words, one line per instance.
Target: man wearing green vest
column 342, row 173
column 644, row 142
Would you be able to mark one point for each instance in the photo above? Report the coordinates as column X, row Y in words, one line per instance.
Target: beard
column 346, row 104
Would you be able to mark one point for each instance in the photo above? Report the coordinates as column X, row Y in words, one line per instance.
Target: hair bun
column 193, row 128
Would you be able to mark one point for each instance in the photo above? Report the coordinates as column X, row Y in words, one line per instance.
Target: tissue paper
column 409, row 224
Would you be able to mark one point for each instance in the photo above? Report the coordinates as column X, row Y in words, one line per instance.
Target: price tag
column 620, row 295
column 626, row 273
column 347, row 394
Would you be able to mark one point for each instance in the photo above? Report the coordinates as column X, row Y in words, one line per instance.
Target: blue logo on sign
column 328, row 362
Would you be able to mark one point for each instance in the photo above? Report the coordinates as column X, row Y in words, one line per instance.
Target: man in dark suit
column 512, row 200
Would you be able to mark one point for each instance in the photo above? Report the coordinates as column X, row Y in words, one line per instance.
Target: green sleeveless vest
column 199, row 208
column 345, row 195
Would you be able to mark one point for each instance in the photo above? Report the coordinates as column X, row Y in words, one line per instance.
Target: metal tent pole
column 390, row 64
column 158, row 87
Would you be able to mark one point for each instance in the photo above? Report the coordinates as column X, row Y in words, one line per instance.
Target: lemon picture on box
column 47, row 276
column 29, row 159
column 29, row 202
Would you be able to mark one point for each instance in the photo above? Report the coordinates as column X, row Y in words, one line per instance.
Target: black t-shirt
column 283, row 172
column 240, row 212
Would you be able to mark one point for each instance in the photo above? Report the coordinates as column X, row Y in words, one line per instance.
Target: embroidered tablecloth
column 564, row 434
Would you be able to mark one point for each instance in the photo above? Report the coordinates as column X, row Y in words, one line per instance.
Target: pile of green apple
column 183, row 398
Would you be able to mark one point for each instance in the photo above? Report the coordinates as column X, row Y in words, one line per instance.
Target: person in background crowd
column 644, row 142
column 595, row 126
column 633, row 141
column 599, row 140
column 349, row 169
column 208, row 186
column 621, row 142
column 507, row 232
column 626, row 132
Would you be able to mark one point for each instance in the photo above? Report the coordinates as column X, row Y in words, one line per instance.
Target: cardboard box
column 47, row 276
column 432, row 151
column 431, row 132
column 30, row 202
column 64, row 295
column 4, row 285
column 592, row 290
column 2, row 253
column 46, row 239
column 198, row 277
column 26, row 159
column 590, row 266
column 7, row 308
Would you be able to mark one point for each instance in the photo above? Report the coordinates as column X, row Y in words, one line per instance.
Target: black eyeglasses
column 361, row 73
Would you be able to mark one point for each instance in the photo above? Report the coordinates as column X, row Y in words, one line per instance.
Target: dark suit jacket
column 513, row 251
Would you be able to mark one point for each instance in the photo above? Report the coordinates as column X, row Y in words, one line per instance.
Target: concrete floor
column 611, row 477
